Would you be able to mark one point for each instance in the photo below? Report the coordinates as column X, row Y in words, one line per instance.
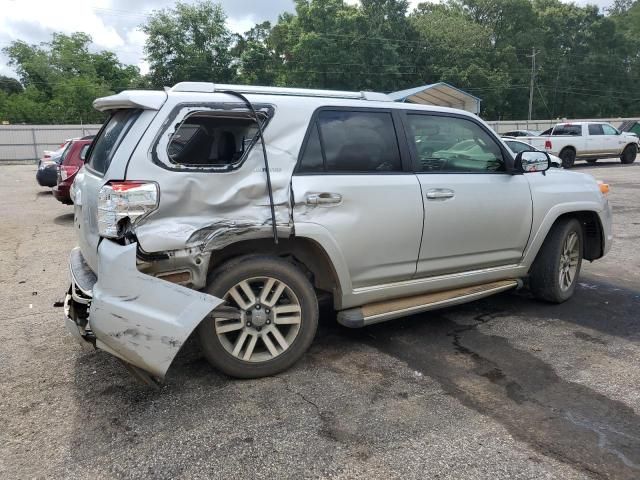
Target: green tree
column 190, row 42
column 10, row 85
column 61, row 78
column 258, row 63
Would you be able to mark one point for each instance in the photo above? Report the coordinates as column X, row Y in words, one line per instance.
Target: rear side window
column 570, row 130
column 352, row 141
column 595, row 129
column 109, row 137
column 212, row 139
column 65, row 152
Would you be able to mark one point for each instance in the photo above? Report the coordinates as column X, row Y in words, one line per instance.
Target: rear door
column 477, row 215
column 353, row 181
column 91, row 179
column 595, row 140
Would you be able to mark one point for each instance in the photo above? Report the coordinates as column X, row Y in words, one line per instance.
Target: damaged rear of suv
column 229, row 210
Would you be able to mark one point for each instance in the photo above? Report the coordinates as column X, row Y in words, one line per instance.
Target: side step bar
column 400, row 307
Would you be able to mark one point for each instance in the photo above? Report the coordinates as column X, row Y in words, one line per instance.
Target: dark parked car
column 47, row 174
column 521, row 133
column 72, row 160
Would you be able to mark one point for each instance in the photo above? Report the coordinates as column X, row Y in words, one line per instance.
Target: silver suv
column 230, row 210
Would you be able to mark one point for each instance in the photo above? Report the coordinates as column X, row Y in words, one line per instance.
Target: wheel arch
column 305, row 252
column 592, row 230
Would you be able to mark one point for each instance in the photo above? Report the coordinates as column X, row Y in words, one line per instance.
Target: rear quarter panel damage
column 142, row 319
column 211, row 208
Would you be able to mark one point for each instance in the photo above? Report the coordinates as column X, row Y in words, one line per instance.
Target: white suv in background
column 231, row 209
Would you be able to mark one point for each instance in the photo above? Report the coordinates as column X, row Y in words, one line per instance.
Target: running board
column 400, row 307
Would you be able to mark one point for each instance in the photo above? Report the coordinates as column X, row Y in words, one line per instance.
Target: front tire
column 268, row 321
column 568, row 157
column 629, row 154
column 554, row 274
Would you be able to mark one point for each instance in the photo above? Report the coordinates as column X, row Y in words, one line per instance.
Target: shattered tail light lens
column 122, row 201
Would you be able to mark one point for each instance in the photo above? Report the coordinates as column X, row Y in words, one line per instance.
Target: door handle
column 439, row 194
column 324, row 198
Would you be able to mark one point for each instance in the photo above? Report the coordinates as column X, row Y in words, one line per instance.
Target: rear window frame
column 170, row 126
column 131, row 120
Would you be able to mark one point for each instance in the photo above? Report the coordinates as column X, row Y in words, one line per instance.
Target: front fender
column 554, row 213
column 139, row 318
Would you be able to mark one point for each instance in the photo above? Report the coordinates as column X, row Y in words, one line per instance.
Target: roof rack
column 208, row 87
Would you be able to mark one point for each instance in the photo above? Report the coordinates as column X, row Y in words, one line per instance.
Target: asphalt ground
column 503, row 388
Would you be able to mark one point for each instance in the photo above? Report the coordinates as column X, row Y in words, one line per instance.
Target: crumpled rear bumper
column 139, row 318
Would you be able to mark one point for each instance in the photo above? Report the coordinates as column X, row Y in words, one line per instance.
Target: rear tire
column 629, row 154
column 554, row 274
column 568, row 157
column 272, row 317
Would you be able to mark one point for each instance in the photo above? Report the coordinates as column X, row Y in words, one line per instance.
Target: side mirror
column 527, row 162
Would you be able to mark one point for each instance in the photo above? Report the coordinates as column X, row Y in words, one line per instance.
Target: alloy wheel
column 569, row 261
column 261, row 319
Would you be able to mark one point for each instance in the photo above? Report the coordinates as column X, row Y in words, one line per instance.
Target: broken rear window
column 212, row 139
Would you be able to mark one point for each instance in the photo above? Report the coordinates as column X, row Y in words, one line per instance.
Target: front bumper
column 136, row 317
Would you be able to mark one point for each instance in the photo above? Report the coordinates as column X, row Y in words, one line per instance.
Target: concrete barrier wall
column 28, row 142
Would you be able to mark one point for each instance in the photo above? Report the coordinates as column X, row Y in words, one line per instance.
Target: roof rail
column 208, row 87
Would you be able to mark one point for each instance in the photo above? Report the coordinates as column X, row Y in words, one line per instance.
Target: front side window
column 609, row 130
column 109, row 138
column 352, row 141
column 212, row 139
column 595, row 129
column 452, row 145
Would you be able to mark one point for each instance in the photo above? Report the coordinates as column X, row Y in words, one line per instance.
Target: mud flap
column 139, row 318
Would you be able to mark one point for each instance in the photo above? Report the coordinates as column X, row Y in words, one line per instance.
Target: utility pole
column 533, row 75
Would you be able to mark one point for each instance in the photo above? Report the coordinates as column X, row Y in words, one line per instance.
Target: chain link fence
column 26, row 143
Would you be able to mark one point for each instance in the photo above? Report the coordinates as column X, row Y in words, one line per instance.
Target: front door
column 476, row 214
column 354, row 185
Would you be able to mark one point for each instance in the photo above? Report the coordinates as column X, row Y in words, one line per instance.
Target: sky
column 113, row 24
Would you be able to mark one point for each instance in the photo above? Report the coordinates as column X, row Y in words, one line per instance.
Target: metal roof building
column 440, row 94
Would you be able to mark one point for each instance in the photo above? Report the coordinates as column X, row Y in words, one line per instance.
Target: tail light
column 125, row 202
column 67, row 171
column 547, row 145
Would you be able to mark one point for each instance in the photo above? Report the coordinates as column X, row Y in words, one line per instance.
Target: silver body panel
column 139, row 318
column 384, row 238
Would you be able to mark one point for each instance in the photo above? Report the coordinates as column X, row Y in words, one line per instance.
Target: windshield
column 109, row 137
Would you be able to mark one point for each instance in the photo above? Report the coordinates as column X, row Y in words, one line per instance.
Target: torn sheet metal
column 138, row 318
column 208, row 209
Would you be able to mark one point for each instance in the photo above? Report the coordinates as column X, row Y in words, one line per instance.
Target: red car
column 72, row 161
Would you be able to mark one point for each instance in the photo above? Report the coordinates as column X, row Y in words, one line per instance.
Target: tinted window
column 595, row 129
column 83, row 152
column 212, row 139
column 359, row 142
column 312, row 160
column 65, row 153
column 547, row 132
column 450, row 144
column 109, row 138
column 609, row 130
column 572, row 130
